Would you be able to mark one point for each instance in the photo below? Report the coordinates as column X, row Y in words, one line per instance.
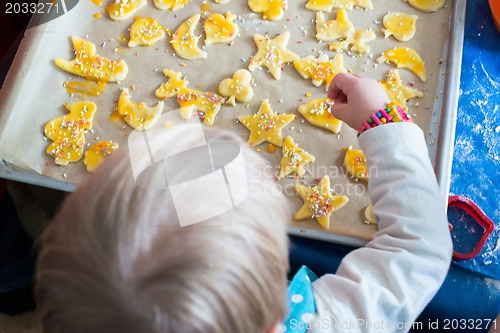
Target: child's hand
column 356, row 98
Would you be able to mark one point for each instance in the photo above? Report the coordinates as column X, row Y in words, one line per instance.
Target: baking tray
column 33, row 73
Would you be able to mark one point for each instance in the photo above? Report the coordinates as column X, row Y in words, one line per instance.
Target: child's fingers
column 340, row 98
column 339, row 85
column 339, row 111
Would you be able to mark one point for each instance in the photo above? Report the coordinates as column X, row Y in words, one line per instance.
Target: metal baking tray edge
column 446, row 140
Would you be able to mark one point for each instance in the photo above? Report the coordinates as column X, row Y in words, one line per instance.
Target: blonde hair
column 115, row 258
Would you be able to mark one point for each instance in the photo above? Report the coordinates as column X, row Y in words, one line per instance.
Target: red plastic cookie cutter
column 479, row 217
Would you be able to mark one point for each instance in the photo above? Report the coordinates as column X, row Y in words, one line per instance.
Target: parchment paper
column 34, row 94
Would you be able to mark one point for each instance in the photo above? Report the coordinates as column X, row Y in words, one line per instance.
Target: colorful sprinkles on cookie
column 138, row 115
column 317, row 112
column 293, row 159
column 92, row 66
column 119, row 10
column 266, row 125
column 220, row 29
column 272, row 54
column 145, row 32
column 97, row 153
column 405, row 57
column 319, row 202
column 190, row 100
column 185, row 43
column 320, row 70
column 68, row 132
column 395, row 89
column 355, row 164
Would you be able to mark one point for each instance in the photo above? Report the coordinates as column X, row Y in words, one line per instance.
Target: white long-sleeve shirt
column 384, row 286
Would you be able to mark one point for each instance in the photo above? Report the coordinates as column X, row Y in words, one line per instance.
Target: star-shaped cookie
column 319, row 202
column 266, row 125
column 396, row 90
column 293, row 158
column 272, row 53
column 320, row 70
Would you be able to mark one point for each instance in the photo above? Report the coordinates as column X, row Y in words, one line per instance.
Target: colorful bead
column 392, row 113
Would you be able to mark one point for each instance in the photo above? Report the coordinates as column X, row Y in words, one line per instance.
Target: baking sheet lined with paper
column 34, row 91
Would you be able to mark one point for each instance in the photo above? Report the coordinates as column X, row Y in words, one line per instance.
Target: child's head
column 115, row 258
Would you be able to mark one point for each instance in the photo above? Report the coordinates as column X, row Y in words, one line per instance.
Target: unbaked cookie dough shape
column 329, row 31
column 405, row 57
column 92, row 66
column 369, row 216
column 427, row 5
column 317, row 113
column 319, row 202
column 68, row 132
column 170, row 4
column 138, row 115
column 320, row 70
column 238, row 88
column 272, row 54
column 184, row 41
column 395, row 89
column 293, row 159
column 272, row 10
column 341, row 33
column 328, row 5
column 266, row 125
column 119, row 10
column 190, row 100
column 145, row 32
column 220, row 29
column 355, row 164
column 97, row 153
column 400, row 25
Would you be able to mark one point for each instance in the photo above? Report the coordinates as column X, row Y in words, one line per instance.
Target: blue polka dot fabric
column 301, row 302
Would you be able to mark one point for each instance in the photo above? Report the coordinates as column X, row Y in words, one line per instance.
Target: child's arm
column 387, row 283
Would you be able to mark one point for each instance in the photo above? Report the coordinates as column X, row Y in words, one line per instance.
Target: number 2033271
column 34, row 7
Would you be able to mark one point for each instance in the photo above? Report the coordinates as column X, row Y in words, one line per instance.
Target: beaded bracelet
column 393, row 113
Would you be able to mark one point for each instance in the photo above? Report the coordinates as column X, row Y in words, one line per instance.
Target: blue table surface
column 472, row 288
column 476, row 161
